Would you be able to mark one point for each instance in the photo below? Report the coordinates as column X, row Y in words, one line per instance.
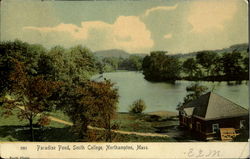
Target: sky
column 135, row 26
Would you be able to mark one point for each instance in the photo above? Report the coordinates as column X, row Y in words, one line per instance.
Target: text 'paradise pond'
column 162, row 96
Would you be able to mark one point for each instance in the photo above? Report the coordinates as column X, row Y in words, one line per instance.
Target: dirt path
column 116, row 131
column 60, row 121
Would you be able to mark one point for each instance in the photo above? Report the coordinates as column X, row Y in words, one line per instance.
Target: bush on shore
column 137, row 107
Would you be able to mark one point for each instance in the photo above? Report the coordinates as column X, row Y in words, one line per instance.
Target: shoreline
column 162, row 113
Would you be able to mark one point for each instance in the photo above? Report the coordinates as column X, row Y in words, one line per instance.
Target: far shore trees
column 206, row 59
column 232, row 64
column 199, row 66
column 131, row 63
column 160, row 67
column 190, row 67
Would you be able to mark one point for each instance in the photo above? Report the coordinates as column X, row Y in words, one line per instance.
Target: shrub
column 137, row 107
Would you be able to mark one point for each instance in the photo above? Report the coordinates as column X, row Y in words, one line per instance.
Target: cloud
column 212, row 14
column 167, row 36
column 159, row 8
column 127, row 32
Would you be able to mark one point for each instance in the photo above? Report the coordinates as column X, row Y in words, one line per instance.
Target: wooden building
column 209, row 113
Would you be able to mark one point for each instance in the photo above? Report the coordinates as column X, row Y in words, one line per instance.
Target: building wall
column 207, row 129
column 226, row 123
column 185, row 121
column 199, row 128
column 204, row 130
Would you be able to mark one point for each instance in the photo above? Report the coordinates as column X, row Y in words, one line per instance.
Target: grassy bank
column 143, row 122
column 12, row 129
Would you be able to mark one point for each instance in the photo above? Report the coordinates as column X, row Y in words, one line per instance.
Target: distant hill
column 187, row 55
column 121, row 53
column 116, row 53
column 112, row 53
column 139, row 54
column 238, row 48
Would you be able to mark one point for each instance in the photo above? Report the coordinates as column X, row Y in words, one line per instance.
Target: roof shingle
column 213, row 106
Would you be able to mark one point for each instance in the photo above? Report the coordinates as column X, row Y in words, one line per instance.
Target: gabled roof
column 212, row 106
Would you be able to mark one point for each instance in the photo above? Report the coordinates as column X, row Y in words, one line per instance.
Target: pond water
column 163, row 96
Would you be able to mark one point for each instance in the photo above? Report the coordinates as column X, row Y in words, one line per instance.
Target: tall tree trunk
column 83, row 131
column 108, row 136
column 31, row 129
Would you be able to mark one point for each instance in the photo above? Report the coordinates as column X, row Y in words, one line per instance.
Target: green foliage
column 190, row 66
column 23, row 52
column 68, row 65
column 160, row 67
column 217, row 66
column 137, row 107
column 72, row 65
column 46, row 67
column 30, row 74
column 206, row 66
column 110, row 64
column 206, row 59
column 246, row 64
column 132, row 63
column 232, row 64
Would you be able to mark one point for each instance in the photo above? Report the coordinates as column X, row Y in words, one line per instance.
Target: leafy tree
column 68, row 65
column 246, row 64
column 30, row 94
column 23, row 52
column 206, row 59
column 84, row 58
column 133, row 63
column 137, row 107
column 60, row 64
column 90, row 103
column 190, row 66
column 217, row 67
column 136, row 62
column 84, row 62
column 232, row 64
column 110, row 63
column 46, row 67
column 160, row 67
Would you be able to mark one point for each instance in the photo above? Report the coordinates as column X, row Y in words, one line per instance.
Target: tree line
column 35, row 81
column 206, row 65
column 132, row 63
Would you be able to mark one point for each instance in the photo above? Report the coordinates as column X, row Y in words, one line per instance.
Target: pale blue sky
column 177, row 26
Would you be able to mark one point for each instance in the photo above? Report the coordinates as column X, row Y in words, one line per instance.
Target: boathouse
column 211, row 114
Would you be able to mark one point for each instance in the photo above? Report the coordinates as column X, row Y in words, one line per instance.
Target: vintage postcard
column 124, row 79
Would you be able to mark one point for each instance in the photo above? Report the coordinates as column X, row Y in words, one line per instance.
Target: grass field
column 13, row 129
